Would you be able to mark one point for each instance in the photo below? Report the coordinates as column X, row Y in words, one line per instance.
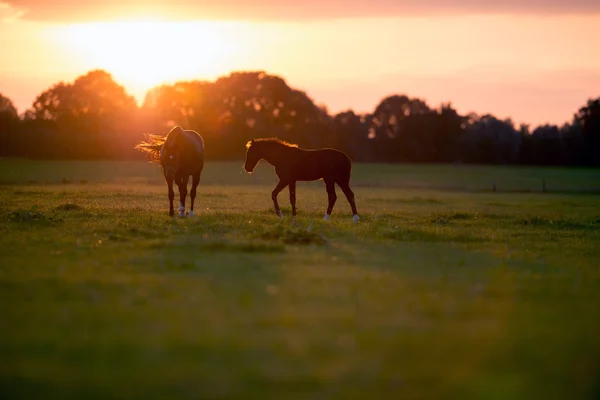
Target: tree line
column 95, row 118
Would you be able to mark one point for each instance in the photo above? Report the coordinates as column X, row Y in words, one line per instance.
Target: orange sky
column 536, row 62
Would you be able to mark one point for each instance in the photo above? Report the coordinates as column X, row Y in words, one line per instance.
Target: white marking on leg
column 326, row 217
column 181, row 210
column 355, row 218
column 191, row 213
column 280, row 214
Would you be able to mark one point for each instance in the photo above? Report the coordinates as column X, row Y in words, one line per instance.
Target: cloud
column 278, row 10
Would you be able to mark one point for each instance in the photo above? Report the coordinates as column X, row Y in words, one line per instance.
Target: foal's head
column 253, row 156
column 265, row 148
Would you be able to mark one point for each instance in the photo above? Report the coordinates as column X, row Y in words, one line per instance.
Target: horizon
column 534, row 63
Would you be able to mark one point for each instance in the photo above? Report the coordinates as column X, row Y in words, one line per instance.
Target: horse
column 181, row 155
column 294, row 164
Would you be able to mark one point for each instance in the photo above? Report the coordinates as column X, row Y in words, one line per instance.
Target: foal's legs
column 171, row 197
column 280, row 186
column 293, row 197
column 350, row 196
column 182, row 193
column 332, row 196
column 195, row 182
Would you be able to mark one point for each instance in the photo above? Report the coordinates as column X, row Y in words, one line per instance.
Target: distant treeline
column 94, row 117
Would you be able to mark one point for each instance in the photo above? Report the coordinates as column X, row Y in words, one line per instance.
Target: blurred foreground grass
column 434, row 294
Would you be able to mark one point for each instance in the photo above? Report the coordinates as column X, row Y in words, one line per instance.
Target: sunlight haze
column 534, row 63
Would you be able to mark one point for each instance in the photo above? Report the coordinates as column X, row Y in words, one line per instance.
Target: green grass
column 424, row 177
column 443, row 290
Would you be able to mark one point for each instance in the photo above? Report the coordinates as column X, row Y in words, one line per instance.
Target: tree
column 588, row 120
column 447, row 134
column 261, row 104
column 548, row 146
column 349, row 133
column 93, row 117
column 235, row 109
column 400, row 129
column 95, row 93
column 7, row 108
column 182, row 103
column 9, row 127
column 488, row 140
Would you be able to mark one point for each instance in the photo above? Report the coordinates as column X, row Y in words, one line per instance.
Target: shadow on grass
column 225, row 245
column 559, row 223
column 293, row 234
column 32, row 217
column 68, row 207
column 403, row 234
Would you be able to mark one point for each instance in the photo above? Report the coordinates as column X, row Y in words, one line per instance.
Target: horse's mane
column 152, row 143
column 271, row 140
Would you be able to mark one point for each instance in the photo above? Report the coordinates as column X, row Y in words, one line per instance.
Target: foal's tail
column 151, row 146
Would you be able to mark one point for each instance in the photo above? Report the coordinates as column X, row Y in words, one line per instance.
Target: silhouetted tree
column 548, row 147
column 397, row 127
column 447, row 133
column 237, row 108
column 349, row 133
column 188, row 104
column 588, row 121
column 93, row 117
column 488, row 140
column 7, row 108
column 9, row 128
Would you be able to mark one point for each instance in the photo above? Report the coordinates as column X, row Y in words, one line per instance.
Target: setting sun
column 146, row 53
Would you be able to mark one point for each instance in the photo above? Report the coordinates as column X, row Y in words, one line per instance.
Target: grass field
column 444, row 290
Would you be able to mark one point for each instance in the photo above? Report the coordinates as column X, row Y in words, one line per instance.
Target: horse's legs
column 195, row 181
column 171, row 197
column 350, row 196
column 280, row 186
column 182, row 193
column 293, row 197
column 330, row 186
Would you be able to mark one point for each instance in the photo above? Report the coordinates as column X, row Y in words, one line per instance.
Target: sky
column 533, row 61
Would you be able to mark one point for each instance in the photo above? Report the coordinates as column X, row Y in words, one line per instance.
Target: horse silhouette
column 294, row 164
column 181, row 155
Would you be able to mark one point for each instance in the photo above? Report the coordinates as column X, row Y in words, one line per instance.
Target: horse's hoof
column 355, row 218
column 280, row 214
column 191, row 213
column 326, row 217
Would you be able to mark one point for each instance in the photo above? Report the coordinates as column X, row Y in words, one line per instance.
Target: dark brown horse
column 181, row 155
column 293, row 164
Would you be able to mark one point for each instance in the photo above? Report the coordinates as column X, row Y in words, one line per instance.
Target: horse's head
column 252, row 156
column 169, row 160
column 169, row 153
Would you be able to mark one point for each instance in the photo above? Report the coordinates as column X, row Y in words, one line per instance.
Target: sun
column 141, row 54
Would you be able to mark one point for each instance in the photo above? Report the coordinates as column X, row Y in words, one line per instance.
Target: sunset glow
column 141, row 54
column 532, row 62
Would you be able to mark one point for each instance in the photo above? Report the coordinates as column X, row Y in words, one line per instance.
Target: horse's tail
column 151, row 146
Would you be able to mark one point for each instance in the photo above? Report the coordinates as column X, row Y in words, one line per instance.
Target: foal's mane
column 275, row 141
column 152, row 143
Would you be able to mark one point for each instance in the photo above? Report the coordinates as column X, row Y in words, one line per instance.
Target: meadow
column 446, row 289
